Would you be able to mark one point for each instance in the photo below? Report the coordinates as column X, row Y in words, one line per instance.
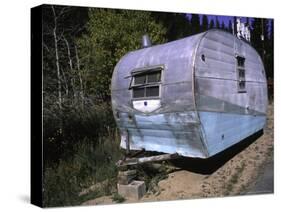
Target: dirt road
column 246, row 168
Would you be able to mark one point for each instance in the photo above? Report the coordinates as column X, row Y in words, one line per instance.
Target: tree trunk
column 70, row 66
column 68, row 54
column 57, row 59
column 65, row 82
column 80, row 77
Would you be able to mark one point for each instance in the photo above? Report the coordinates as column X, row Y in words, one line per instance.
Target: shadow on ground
column 210, row 165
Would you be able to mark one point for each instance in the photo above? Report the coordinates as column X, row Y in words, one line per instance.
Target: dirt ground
column 236, row 172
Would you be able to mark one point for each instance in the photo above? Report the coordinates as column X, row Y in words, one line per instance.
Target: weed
column 152, row 176
column 118, row 198
column 234, row 179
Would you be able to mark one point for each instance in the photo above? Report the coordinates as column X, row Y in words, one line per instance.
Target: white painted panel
column 147, row 106
column 223, row 130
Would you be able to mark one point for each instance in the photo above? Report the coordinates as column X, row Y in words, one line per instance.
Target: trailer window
column 152, row 91
column 240, row 61
column 138, row 92
column 154, row 77
column 139, row 80
column 146, row 84
column 241, row 80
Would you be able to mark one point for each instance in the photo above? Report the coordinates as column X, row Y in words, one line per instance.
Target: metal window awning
column 147, row 69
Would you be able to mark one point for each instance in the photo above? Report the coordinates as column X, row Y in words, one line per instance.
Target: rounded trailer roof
column 177, row 51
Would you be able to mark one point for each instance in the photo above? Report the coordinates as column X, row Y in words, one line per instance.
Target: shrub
column 92, row 162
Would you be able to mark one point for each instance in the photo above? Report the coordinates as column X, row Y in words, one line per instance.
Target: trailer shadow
column 210, row 165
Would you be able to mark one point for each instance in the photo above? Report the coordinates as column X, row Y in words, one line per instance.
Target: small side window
column 240, row 61
column 241, row 73
column 146, row 83
column 241, row 79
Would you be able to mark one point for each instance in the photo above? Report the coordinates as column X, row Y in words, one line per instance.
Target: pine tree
column 256, row 35
column 195, row 23
column 229, row 26
column 217, row 25
column 247, row 21
column 212, row 24
column 223, row 26
column 262, row 41
column 204, row 23
column 177, row 24
column 269, row 47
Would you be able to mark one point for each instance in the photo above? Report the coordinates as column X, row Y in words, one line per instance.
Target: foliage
column 195, row 24
column 118, row 198
column 264, row 46
column 177, row 25
column 204, row 23
column 88, row 165
column 64, row 130
column 62, row 25
column 212, row 24
column 110, row 35
column 217, row 25
column 229, row 26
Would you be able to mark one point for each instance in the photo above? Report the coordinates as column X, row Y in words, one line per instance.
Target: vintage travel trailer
column 195, row 96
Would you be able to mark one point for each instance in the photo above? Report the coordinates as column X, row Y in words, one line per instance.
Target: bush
column 67, row 129
column 90, row 164
column 82, row 153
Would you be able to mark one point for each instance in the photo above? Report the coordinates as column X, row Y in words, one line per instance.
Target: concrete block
column 125, row 180
column 125, row 177
column 134, row 191
column 128, row 172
